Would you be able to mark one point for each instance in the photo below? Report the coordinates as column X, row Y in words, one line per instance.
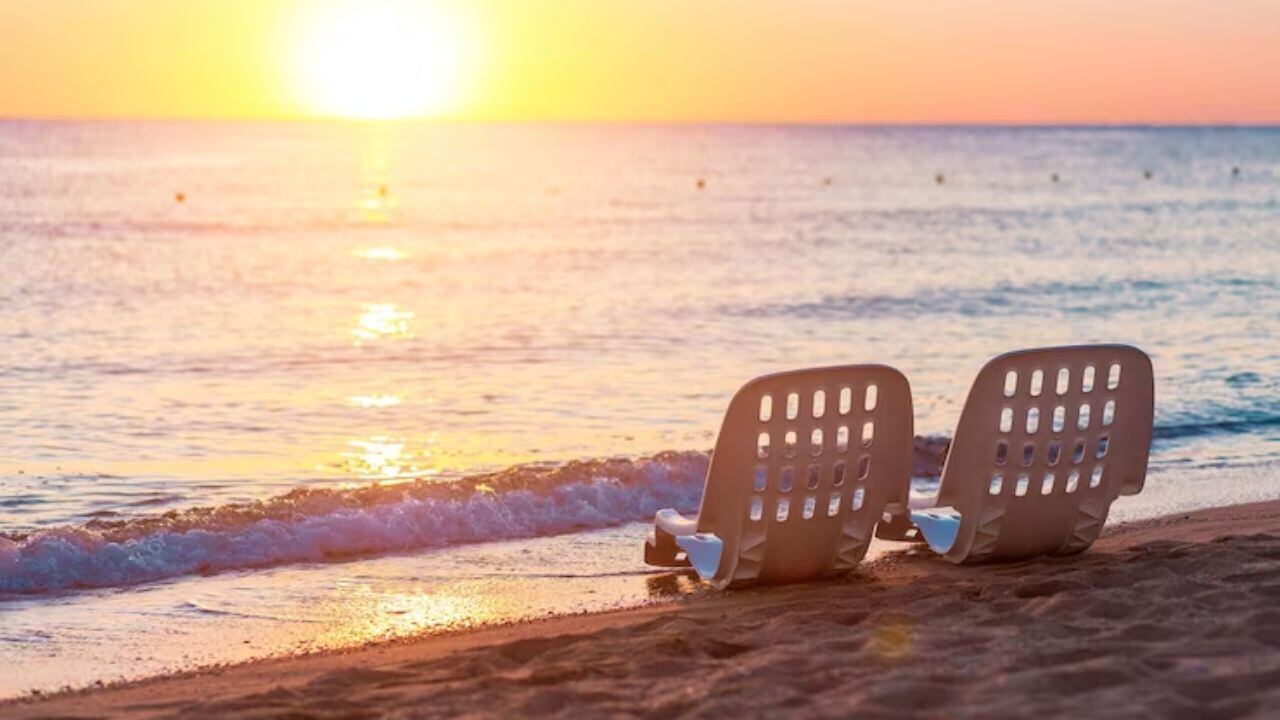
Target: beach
column 1173, row 617
column 390, row 358
column 427, row 384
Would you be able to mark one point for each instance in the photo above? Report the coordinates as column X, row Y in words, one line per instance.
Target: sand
column 1174, row 617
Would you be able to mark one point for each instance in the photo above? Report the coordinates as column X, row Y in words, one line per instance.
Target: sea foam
column 310, row 525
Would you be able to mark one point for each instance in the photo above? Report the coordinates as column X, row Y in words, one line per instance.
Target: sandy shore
column 1174, row 617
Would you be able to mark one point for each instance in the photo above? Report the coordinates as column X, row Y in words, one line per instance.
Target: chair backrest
column 1047, row 440
column 802, row 468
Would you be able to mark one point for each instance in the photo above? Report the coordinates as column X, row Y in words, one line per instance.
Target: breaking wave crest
column 308, row 525
column 325, row 524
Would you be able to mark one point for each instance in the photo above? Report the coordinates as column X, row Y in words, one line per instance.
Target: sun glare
column 379, row 59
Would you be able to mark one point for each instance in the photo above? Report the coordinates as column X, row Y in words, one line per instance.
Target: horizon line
column 1090, row 124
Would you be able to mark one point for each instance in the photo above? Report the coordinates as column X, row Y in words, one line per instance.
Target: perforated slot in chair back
column 803, row 466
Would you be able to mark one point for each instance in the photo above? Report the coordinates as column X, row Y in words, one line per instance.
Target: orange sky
column 1019, row 61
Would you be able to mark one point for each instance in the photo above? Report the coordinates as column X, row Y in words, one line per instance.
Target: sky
column 801, row 61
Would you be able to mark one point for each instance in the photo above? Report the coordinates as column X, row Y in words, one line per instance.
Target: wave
column 328, row 524
column 1015, row 300
column 309, row 525
column 1233, row 426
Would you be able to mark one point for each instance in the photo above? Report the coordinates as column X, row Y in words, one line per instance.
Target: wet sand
column 1172, row 617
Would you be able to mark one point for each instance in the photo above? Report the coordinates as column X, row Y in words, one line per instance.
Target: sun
column 379, row 59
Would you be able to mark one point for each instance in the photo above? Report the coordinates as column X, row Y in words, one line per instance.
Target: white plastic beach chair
column 1047, row 440
column 805, row 463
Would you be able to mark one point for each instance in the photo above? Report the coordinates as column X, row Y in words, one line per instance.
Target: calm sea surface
column 216, row 338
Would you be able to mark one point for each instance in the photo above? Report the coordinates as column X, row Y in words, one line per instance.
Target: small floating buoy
column 1054, row 177
column 180, row 197
column 1146, row 174
column 702, row 184
column 939, row 178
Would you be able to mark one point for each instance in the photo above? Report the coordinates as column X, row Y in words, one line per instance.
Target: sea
column 281, row 388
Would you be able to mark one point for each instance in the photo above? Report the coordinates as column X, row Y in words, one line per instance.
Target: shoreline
column 885, row 617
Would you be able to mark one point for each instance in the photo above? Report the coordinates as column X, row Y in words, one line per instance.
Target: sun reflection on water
column 375, row 401
column 385, row 457
column 375, row 614
column 412, row 612
column 383, row 253
column 382, row 320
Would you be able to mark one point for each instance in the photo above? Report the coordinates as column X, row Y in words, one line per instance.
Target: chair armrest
column 675, row 523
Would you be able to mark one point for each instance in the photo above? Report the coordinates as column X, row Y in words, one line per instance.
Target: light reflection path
column 376, row 205
column 384, row 456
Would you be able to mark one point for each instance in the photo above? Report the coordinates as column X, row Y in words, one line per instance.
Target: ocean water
column 268, row 388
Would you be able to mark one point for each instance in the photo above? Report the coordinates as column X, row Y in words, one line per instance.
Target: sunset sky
column 931, row 61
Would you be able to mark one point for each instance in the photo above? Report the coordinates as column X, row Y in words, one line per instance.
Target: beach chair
column 804, row 465
column 1047, row 440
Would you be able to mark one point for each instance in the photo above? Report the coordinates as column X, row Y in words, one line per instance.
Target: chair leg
column 898, row 527
column 660, row 549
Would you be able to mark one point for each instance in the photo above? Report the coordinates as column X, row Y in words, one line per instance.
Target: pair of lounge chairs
column 809, row 464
